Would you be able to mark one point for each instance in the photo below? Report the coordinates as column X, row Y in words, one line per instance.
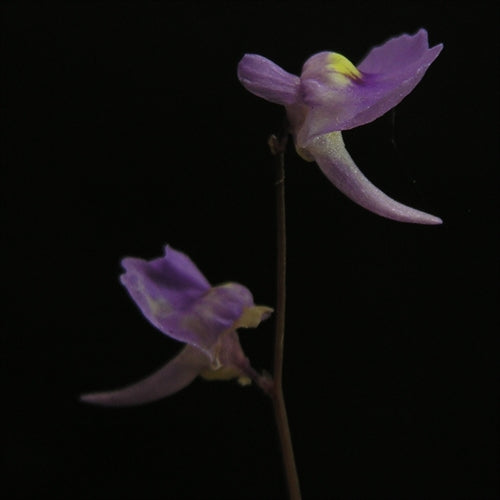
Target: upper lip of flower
column 332, row 95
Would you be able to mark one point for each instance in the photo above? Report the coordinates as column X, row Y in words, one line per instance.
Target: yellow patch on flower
column 224, row 373
column 252, row 316
column 342, row 71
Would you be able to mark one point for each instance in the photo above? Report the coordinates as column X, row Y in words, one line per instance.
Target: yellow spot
column 252, row 316
column 304, row 154
column 342, row 70
column 222, row 373
column 158, row 307
column 244, row 381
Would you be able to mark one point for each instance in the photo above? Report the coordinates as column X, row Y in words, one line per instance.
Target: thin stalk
column 278, row 147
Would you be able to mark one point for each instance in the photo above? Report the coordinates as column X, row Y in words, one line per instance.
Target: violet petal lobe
column 171, row 378
column 387, row 75
column 210, row 317
column 265, row 79
column 335, row 162
column 395, row 53
column 176, row 298
column 162, row 285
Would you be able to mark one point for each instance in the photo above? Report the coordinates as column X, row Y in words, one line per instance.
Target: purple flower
column 178, row 300
column 332, row 95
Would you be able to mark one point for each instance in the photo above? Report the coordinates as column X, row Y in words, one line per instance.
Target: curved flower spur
column 178, row 300
column 332, row 95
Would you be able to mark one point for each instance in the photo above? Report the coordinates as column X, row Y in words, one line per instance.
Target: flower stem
column 278, row 147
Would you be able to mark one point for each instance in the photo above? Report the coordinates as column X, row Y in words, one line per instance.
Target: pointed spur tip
column 94, row 398
column 401, row 213
column 110, row 399
column 434, row 221
column 418, row 217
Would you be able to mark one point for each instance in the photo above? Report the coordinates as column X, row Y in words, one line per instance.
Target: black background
column 125, row 128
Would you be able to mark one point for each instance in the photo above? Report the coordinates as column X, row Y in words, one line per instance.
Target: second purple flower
column 177, row 299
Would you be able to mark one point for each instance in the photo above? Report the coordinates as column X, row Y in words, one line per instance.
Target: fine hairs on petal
column 336, row 163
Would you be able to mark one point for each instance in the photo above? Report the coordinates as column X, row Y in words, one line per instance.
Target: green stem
column 278, row 147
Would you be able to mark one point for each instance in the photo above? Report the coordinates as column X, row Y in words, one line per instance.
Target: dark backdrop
column 125, row 128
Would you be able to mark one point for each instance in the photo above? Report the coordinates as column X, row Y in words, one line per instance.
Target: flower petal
column 229, row 355
column 388, row 74
column 210, row 317
column 175, row 297
column 266, row 79
column 253, row 316
column 335, row 162
column 396, row 53
column 171, row 378
column 162, row 285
